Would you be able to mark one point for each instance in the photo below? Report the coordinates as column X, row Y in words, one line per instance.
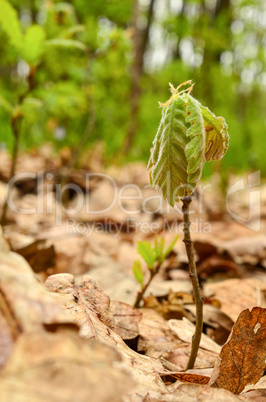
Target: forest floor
column 68, row 331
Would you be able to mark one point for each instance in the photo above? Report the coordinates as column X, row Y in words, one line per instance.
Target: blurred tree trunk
column 141, row 39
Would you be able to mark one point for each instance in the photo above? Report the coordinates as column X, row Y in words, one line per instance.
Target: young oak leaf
column 216, row 135
column 147, row 253
column 188, row 135
column 177, row 156
column 137, row 271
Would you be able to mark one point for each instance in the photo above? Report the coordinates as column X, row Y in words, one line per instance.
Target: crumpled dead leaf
column 180, row 392
column 170, row 306
column 261, row 384
column 144, row 369
column 25, row 305
column 236, row 295
column 126, row 319
column 86, row 301
column 219, row 324
column 40, row 254
column 29, row 304
column 42, row 357
column 195, row 393
column 156, row 338
column 192, row 378
column 52, row 367
column 258, row 395
column 242, row 358
column 185, row 330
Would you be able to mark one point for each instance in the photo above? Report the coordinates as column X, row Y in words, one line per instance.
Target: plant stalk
column 140, row 294
column 195, row 283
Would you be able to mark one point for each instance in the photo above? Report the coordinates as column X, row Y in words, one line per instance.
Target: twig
column 195, row 283
column 140, row 294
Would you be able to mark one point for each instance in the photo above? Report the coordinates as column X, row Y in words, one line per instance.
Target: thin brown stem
column 195, row 283
column 140, row 294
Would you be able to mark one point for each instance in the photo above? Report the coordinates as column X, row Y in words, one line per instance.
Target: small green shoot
column 138, row 273
column 146, row 251
column 154, row 258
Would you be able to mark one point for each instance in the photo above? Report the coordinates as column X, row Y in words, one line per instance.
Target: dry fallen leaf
column 242, row 358
column 185, row 330
column 156, row 338
column 236, row 295
column 179, row 357
column 179, row 392
column 170, row 306
column 75, row 300
column 126, row 319
column 53, row 367
column 6, row 337
column 25, row 305
column 245, row 248
column 192, row 378
column 40, row 254
column 219, row 324
column 42, row 366
column 261, row 384
column 196, row 393
column 116, row 282
column 87, row 301
column 258, row 395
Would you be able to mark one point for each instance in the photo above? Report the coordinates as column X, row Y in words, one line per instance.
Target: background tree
column 132, row 51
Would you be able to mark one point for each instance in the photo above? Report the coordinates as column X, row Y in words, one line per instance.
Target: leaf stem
column 195, row 283
column 140, row 294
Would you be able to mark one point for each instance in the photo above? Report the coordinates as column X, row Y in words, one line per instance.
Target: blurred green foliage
column 81, row 58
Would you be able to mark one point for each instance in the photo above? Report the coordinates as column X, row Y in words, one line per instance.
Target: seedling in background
column 154, row 257
column 30, row 46
column 189, row 134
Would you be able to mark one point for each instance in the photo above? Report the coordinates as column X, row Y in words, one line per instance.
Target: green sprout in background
column 30, row 46
column 154, row 258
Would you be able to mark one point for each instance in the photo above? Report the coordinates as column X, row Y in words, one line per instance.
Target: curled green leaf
column 177, row 156
column 188, row 135
column 216, row 135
